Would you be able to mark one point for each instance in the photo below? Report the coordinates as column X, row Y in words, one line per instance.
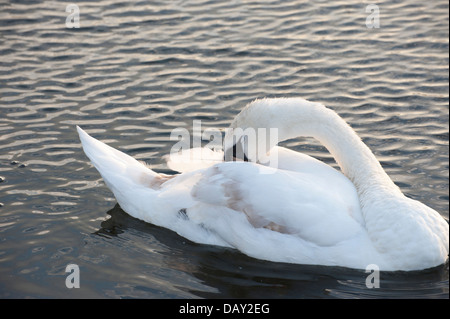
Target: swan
column 302, row 211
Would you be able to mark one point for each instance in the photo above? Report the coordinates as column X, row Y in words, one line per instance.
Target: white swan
column 303, row 212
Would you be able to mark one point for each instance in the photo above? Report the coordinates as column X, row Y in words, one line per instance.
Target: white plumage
column 304, row 211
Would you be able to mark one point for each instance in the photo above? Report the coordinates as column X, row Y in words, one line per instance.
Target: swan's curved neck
column 354, row 158
column 298, row 117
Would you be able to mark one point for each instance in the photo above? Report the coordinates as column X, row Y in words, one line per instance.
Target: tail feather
column 116, row 168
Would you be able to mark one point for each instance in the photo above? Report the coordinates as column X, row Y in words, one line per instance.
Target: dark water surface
column 135, row 70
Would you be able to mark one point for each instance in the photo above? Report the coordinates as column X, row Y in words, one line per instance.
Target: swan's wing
column 188, row 160
column 193, row 159
column 336, row 183
column 283, row 201
column 295, row 161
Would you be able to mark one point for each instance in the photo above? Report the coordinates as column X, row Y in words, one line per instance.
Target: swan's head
column 262, row 124
column 246, row 134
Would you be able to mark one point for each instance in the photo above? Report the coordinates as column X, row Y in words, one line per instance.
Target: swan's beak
column 235, row 153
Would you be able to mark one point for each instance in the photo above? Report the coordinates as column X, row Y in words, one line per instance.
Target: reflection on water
column 235, row 275
column 135, row 70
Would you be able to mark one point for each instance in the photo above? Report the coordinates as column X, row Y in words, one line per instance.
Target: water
column 135, row 70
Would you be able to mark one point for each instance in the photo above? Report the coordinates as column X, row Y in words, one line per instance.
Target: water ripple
column 136, row 70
